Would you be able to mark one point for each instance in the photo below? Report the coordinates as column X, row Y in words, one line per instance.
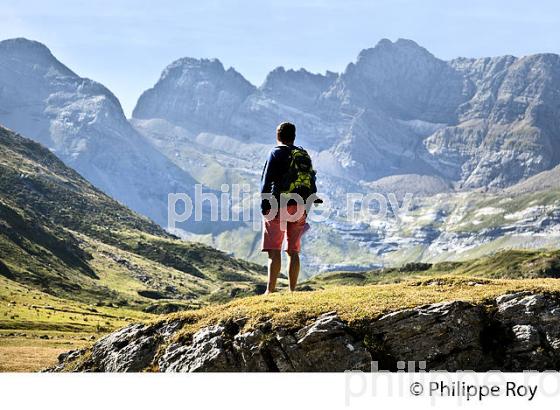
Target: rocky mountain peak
column 281, row 74
column 403, row 80
column 27, row 62
column 83, row 123
column 188, row 67
column 189, row 72
column 30, row 56
column 396, row 52
column 205, row 95
column 21, row 45
column 299, row 88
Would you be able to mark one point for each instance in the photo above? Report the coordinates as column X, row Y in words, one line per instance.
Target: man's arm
column 267, row 180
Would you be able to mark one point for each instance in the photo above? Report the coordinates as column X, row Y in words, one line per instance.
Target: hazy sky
column 125, row 44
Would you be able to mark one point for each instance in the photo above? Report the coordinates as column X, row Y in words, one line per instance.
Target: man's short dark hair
column 286, row 133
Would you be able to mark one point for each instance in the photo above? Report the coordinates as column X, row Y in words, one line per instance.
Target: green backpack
column 300, row 177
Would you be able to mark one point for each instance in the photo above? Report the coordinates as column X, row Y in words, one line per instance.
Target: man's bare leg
column 293, row 270
column 274, row 266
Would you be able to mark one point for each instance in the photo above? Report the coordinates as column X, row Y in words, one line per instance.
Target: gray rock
column 65, row 359
column 444, row 335
column 325, row 345
column 251, row 352
column 208, row 352
column 131, row 349
column 525, row 338
column 533, row 325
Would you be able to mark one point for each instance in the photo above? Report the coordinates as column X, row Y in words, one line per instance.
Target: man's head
column 286, row 133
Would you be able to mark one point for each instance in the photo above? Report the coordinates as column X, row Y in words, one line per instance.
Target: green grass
column 512, row 264
column 24, row 308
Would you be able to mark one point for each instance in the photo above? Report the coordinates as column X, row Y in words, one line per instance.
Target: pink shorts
column 275, row 229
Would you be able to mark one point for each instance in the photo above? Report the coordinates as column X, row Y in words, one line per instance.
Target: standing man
column 287, row 182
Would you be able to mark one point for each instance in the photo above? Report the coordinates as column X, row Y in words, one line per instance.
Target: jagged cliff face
column 495, row 115
column 508, row 129
column 83, row 123
column 515, row 332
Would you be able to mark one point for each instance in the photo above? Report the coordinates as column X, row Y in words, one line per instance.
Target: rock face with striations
column 515, row 332
column 507, row 130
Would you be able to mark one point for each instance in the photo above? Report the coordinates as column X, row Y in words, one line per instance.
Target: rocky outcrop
column 532, row 325
column 325, row 345
column 514, row 332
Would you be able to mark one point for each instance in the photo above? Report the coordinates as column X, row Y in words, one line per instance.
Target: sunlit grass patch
column 36, row 327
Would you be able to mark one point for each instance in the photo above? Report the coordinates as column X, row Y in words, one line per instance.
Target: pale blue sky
column 125, row 44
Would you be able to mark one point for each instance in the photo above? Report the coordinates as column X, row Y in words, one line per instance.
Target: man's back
column 275, row 168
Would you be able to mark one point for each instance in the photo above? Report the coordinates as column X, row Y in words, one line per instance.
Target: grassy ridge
column 363, row 296
column 64, row 237
column 357, row 304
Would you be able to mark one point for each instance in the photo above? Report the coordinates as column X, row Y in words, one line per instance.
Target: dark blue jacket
column 276, row 166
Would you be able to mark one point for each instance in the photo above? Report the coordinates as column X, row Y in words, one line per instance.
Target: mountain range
column 397, row 110
column 475, row 140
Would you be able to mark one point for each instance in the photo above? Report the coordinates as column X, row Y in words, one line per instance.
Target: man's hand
column 265, row 207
